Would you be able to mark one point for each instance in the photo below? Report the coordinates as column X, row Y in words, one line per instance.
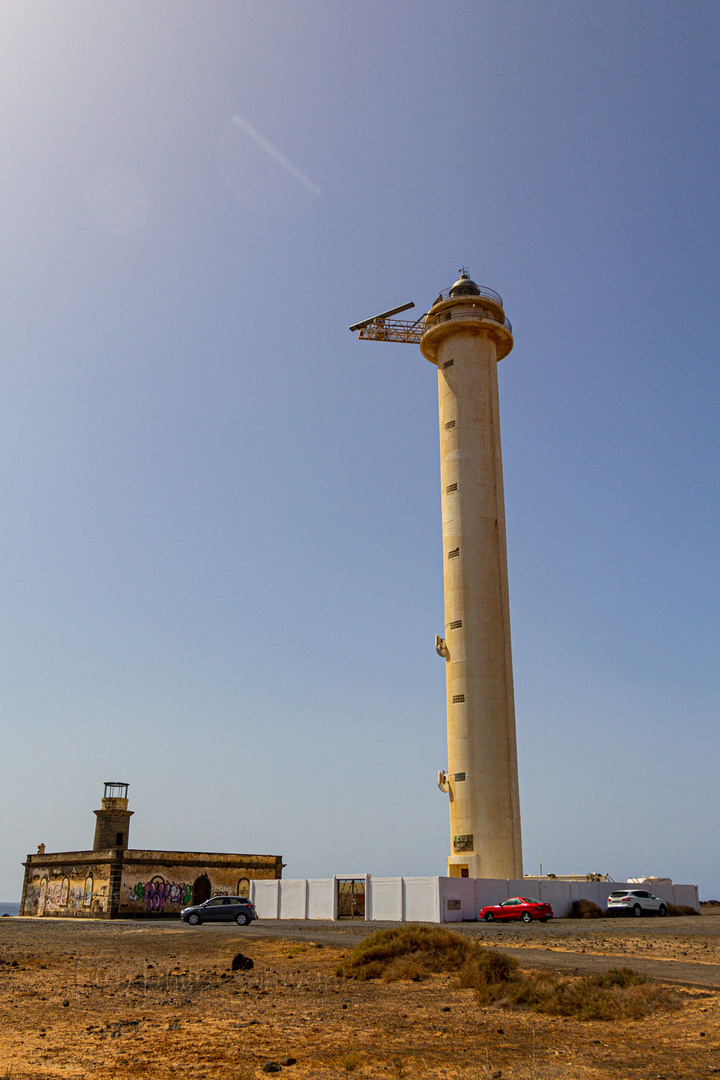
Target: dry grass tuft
column 399, row 1067
column 350, row 1062
column 407, row 952
column 416, row 952
column 585, row 909
column 618, row 994
column 681, row 909
column 487, row 968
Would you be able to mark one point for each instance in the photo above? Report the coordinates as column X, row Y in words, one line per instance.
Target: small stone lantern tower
column 112, row 828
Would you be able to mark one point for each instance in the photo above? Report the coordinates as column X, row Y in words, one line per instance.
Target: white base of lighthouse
column 463, row 866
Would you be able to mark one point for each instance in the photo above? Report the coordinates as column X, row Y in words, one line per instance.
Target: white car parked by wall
column 635, row 902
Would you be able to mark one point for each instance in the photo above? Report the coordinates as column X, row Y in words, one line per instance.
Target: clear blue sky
column 220, row 563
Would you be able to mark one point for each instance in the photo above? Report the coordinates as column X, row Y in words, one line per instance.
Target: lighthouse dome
column 464, row 287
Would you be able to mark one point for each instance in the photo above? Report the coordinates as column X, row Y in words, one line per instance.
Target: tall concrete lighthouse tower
column 465, row 333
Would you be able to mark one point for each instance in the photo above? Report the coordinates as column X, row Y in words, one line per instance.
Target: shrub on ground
column 487, row 967
column 618, row 994
column 350, row 1061
column 415, row 952
column 407, row 952
column 681, row 909
column 585, row 909
column 622, row 977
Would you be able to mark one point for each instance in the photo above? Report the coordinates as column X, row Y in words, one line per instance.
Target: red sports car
column 518, row 907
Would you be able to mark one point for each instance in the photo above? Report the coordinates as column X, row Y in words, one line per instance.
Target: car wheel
column 663, row 911
column 242, row 919
column 489, row 917
column 637, row 911
column 194, row 919
column 544, row 918
column 526, row 916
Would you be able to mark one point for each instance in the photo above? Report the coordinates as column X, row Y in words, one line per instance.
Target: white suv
column 635, row 902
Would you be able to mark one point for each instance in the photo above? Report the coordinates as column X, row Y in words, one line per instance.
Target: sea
column 9, row 909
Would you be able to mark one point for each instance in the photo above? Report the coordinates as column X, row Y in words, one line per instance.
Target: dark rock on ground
column 242, row 963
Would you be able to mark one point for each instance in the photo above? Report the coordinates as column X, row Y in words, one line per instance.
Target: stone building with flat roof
column 114, row 881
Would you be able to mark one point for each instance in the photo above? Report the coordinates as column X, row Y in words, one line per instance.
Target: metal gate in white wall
column 350, row 898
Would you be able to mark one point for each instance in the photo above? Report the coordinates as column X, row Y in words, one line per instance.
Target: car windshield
column 529, row 900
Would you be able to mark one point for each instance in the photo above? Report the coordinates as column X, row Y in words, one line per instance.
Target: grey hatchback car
column 221, row 909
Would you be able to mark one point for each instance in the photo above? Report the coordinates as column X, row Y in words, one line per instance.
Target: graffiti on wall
column 65, row 893
column 53, row 896
column 158, row 892
column 75, row 898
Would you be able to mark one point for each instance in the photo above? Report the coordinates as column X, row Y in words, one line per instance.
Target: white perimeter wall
column 477, row 893
column 439, row 899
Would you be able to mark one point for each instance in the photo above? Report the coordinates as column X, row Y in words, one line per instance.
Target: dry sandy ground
column 159, row 1000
